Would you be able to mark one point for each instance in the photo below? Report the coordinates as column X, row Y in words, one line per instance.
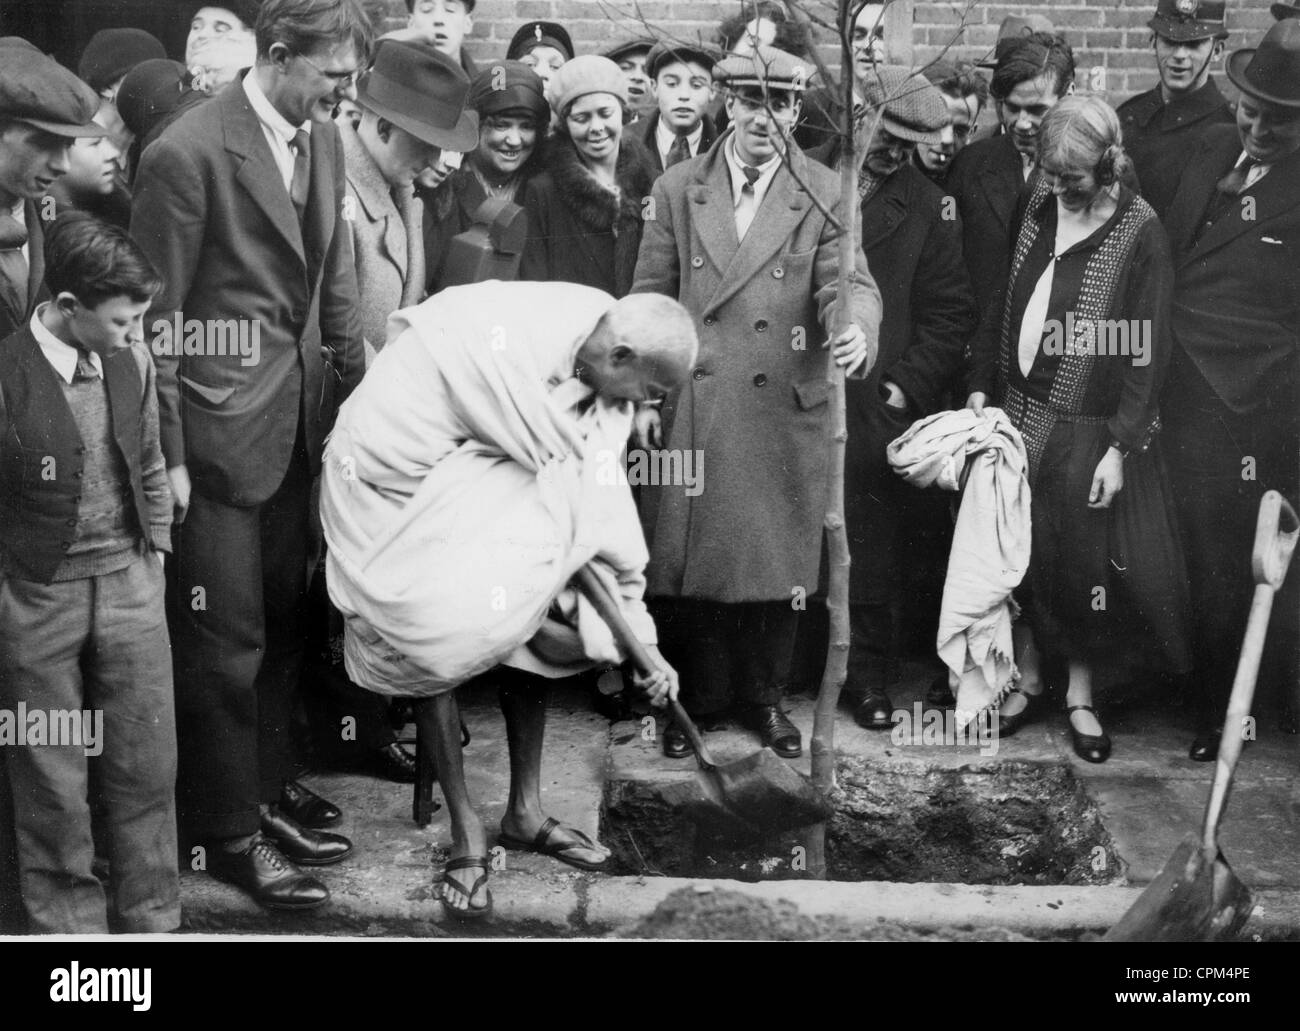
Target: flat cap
column 111, row 53
column 39, row 91
column 627, row 48
column 664, row 53
column 766, row 66
column 913, row 107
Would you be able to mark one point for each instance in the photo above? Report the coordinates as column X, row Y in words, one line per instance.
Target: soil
column 702, row 912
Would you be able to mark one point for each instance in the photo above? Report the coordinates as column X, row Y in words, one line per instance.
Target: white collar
column 665, row 137
column 765, row 171
column 266, row 112
column 60, row 355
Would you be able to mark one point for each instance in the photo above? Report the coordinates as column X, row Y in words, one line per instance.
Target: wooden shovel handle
column 598, row 594
column 1276, row 531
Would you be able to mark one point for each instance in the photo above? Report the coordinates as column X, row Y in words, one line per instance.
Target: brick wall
column 1107, row 34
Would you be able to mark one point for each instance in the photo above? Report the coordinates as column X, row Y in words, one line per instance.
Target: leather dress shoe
column 1205, row 746
column 301, row 844
column 306, row 807
column 676, row 743
column 774, row 730
column 874, row 711
column 1093, row 748
column 264, row 872
column 392, row 762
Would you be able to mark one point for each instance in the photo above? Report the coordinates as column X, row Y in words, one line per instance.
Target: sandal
column 542, row 843
column 470, row 912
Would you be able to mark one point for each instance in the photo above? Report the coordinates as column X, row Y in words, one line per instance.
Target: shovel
column 1197, row 897
column 750, row 797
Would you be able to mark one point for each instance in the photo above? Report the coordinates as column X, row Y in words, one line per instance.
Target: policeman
column 1161, row 125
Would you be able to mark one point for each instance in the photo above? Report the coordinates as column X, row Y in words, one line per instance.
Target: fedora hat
column 422, row 92
column 1281, row 11
column 1270, row 71
column 1013, row 29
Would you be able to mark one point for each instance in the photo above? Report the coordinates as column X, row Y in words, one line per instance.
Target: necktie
column 301, row 171
column 748, row 206
column 679, row 151
column 85, row 370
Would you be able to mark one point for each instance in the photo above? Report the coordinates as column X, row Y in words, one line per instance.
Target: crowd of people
column 272, row 316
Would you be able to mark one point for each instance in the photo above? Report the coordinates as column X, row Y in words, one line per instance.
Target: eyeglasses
column 343, row 79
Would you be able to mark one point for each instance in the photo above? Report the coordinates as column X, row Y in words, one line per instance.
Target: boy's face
column 683, row 90
column 445, row 22
column 113, row 324
column 94, row 161
column 638, row 83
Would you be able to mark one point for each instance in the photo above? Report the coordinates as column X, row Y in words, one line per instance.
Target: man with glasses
column 738, row 241
column 1162, row 127
column 240, row 203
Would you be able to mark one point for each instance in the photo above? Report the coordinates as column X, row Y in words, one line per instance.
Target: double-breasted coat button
column 760, row 380
column 697, row 262
column 709, row 320
column 778, row 273
column 761, row 325
column 697, row 374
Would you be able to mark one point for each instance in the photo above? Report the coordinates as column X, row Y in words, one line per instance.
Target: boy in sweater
column 85, row 664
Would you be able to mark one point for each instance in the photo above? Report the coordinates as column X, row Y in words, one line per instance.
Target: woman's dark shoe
column 1093, row 748
column 306, row 807
column 676, row 744
column 1008, row 725
column 1205, row 747
column 939, row 694
column 874, row 711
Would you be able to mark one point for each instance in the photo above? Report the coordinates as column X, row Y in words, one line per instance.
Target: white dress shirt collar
column 766, row 172
column 665, row 138
column 277, row 129
column 60, row 355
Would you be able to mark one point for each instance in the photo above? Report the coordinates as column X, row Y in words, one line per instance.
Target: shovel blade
column 1196, row 897
column 769, row 793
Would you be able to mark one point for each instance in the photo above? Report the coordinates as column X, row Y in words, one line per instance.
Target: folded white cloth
column 990, row 545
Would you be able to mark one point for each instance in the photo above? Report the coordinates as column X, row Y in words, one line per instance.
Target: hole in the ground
column 1013, row 823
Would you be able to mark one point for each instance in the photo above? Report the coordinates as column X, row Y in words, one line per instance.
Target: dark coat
column 580, row 232
column 15, row 310
column 755, row 406
column 1236, row 310
column 1163, row 139
column 645, row 131
column 211, row 212
column 914, row 254
column 986, row 181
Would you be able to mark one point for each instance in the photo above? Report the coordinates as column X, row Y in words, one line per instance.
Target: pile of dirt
column 702, row 912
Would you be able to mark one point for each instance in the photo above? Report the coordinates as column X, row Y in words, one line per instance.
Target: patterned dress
column 1102, row 583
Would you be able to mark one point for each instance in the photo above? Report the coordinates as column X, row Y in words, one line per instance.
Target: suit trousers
column 1220, row 464
column 726, row 654
column 98, row 644
column 236, row 605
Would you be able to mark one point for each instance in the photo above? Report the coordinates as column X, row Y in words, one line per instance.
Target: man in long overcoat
column 735, row 236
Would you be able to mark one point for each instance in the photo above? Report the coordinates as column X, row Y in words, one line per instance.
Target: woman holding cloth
column 1075, row 354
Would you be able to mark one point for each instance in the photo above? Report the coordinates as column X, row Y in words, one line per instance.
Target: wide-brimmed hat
column 509, row 86
column 1013, row 29
column 245, row 10
column 539, row 34
column 1282, row 11
column 1270, row 71
column 421, row 91
column 1186, row 21
column 913, row 108
column 765, row 66
column 663, row 53
column 39, row 91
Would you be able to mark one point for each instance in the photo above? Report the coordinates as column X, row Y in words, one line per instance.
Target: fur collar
column 594, row 206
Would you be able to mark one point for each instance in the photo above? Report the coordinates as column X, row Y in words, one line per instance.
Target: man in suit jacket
column 1033, row 72
column 43, row 109
column 737, row 239
column 239, row 203
column 1162, row 127
column 1232, row 401
column 914, row 253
